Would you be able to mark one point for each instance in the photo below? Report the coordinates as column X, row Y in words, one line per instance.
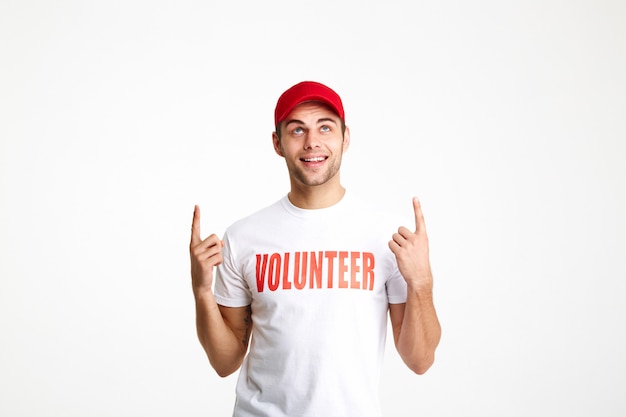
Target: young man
column 309, row 281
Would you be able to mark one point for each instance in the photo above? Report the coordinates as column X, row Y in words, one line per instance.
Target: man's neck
column 316, row 197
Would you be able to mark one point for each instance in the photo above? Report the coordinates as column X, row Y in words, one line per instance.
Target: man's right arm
column 223, row 332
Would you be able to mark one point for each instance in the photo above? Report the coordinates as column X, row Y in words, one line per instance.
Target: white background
column 507, row 119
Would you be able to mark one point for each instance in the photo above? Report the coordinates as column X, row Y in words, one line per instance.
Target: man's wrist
column 420, row 289
column 203, row 295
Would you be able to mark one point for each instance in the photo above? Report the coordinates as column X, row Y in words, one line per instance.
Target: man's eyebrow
column 319, row 121
column 326, row 119
column 288, row 122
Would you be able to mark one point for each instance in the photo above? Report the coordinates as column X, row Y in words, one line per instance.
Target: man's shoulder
column 261, row 216
column 377, row 212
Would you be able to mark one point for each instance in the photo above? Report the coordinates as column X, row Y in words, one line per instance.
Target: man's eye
column 325, row 128
column 298, row 131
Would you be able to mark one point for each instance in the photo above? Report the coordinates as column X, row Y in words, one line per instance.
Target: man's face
column 312, row 143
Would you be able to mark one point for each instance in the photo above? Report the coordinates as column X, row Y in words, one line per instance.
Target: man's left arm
column 416, row 328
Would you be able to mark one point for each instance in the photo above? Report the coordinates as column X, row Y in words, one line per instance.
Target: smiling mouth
column 314, row 159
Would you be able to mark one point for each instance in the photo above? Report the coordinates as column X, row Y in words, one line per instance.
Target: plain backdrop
column 506, row 118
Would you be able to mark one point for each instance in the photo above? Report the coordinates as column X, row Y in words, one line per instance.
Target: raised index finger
column 419, row 216
column 195, row 226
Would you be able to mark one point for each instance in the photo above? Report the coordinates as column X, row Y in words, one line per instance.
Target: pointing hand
column 205, row 254
column 411, row 251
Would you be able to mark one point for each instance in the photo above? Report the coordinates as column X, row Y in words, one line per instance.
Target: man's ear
column 276, row 142
column 346, row 139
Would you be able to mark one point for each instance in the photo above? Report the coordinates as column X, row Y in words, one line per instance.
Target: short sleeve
column 396, row 287
column 231, row 288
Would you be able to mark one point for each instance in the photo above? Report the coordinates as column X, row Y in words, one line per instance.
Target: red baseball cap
column 307, row 91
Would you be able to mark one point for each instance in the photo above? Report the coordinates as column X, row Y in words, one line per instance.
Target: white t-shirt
column 319, row 283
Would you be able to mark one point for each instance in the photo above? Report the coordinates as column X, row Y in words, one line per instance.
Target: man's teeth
column 317, row 159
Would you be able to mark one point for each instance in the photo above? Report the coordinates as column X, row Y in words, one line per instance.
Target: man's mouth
column 314, row 159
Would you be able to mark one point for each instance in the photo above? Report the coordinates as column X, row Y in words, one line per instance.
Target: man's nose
column 311, row 140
